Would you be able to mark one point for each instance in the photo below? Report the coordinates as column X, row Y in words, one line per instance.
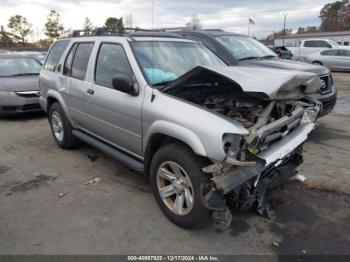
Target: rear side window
column 343, row 52
column 330, row 52
column 111, row 61
column 55, row 55
column 77, row 60
column 69, row 60
column 316, row 43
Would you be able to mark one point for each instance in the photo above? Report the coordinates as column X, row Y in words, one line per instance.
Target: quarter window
column 111, row 61
column 77, row 60
column 55, row 55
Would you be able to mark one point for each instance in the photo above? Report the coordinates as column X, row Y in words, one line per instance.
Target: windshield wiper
column 25, row 74
column 249, row 58
column 267, row 56
column 162, row 83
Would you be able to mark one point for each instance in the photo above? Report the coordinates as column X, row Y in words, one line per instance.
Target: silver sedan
column 335, row 59
column 19, row 84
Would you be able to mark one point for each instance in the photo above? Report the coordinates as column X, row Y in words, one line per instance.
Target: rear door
column 329, row 58
column 114, row 116
column 343, row 58
column 74, row 74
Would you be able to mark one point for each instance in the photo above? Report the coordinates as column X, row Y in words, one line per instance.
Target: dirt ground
column 119, row 215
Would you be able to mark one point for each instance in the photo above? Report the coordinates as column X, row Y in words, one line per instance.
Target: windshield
column 163, row 62
column 333, row 43
column 243, row 47
column 15, row 66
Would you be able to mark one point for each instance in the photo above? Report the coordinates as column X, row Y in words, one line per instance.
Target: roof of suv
column 208, row 32
column 110, row 32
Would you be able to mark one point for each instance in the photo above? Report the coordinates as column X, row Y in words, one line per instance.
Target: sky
column 230, row 15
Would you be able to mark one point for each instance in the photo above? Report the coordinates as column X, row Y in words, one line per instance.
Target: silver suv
column 209, row 137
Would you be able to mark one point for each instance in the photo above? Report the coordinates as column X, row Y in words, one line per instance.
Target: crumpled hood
column 19, row 83
column 287, row 65
column 276, row 84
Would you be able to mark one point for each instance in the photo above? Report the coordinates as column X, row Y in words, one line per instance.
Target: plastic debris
column 62, row 194
column 92, row 157
column 95, row 180
column 298, row 177
column 275, row 243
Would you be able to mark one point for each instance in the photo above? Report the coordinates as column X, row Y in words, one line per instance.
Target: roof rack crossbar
column 103, row 31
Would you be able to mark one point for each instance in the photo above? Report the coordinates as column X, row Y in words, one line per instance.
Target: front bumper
column 276, row 154
column 328, row 101
column 14, row 104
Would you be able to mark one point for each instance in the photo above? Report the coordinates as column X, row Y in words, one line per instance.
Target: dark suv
column 237, row 49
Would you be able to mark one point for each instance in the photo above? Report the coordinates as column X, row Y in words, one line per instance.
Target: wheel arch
column 317, row 62
column 162, row 133
column 53, row 97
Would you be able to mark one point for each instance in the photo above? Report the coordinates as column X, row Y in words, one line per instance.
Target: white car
column 305, row 47
column 337, row 59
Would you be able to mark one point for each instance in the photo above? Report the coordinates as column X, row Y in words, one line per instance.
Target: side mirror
column 124, row 83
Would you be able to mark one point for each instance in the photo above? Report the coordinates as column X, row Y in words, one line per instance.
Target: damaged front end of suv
column 272, row 109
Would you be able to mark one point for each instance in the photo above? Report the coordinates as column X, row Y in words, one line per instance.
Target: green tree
column 88, row 27
column 115, row 23
column 309, row 29
column 20, row 28
column 53, row 27
column 334, row 16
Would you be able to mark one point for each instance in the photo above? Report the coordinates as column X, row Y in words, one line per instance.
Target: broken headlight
column 231, row 144
column 310, row 114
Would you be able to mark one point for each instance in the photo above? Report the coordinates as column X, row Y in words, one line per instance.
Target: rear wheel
column 317, row 63
column 178, row 185
column 61, row 128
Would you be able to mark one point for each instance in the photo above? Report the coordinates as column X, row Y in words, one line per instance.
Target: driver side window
column 111, row 61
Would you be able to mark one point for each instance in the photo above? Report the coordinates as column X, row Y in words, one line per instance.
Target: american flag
column 251, row 21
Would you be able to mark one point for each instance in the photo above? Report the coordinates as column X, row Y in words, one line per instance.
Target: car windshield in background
column 333, row 43
column 243, row 47
column 163, row 62
column 15, row 66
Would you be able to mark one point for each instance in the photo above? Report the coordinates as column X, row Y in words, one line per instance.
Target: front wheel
column 179, row 184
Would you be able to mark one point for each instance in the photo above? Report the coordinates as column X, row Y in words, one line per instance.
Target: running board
column 116, row 154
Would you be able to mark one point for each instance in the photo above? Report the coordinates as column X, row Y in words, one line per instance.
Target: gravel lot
column 120, row 216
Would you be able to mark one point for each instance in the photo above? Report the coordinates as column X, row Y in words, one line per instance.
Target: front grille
column 327, row 83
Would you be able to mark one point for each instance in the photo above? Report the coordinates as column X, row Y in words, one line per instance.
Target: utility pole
column 284, row 26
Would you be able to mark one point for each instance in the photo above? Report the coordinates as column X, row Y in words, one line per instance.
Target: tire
column 317, row 63
column 195, row 182
column 66, row 140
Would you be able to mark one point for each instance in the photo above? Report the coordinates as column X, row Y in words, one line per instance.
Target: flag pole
column 248, row 27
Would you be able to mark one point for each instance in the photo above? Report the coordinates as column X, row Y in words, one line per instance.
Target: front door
column 112, row 115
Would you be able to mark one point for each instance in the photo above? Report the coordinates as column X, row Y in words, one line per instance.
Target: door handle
column 90, row 91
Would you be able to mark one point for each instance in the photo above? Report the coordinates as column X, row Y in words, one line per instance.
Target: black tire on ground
column 182, row 155
column 68, row 141
column 317, row 63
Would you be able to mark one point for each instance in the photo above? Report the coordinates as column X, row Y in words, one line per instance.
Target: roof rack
column 176, row 29
column 133, row 32
column 105, row 31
